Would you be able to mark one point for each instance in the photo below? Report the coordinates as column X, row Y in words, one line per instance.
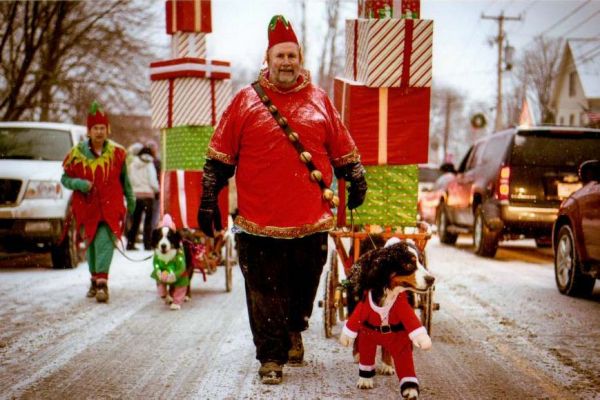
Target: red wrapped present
column 389, row 8
column 184, row 44
column 389, row 125
column 188, row 16
column 189, row 91
column 389, row 52
column 180, row 196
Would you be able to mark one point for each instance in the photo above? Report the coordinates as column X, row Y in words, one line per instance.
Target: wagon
column 335, row 294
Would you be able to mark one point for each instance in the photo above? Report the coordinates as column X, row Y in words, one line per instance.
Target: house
column 576, row 95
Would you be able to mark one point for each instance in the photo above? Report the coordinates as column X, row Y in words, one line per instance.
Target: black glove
column 354, row 174
column 214, row 178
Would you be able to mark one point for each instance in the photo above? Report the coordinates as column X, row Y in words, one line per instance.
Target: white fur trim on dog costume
column 417, row 332
column 349, row 333
column 409, row 379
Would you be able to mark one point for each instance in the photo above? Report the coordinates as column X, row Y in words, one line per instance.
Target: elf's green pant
column 100, row 252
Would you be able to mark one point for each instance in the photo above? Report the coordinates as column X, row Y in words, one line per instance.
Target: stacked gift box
column 189, row 92
column 384, row 101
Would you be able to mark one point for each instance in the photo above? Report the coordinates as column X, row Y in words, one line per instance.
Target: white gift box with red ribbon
column 189, row 91
column 389, row 52
column 184, row 44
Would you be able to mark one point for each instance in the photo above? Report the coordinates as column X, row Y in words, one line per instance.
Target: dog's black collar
column 385, row 328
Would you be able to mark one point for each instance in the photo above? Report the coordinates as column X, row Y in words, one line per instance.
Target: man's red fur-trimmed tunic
column 275, row 194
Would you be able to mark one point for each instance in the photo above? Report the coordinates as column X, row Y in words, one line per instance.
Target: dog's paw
column 385, row 369
column 364, row 383
column 422, row 341
column 175, row 307
column 187, row 298
column 346, row 340
column 410, row 394
column 168, row 300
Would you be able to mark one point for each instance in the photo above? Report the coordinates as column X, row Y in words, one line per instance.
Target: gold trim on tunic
column 291, row 232
column 265, row 82
column 217, row 155
column 351, row 157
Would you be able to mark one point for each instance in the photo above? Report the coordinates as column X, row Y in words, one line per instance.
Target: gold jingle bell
column 282, row 121
column 272, row 108
column 293, row 136
column 328, row 194
column 334, row 202
column 305, row 157
column 264, row 99
column 316, row 175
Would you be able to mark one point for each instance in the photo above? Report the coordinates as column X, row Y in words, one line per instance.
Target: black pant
column 141, row 206
column 281, row 279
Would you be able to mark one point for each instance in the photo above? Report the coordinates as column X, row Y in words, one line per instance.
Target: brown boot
column 296, row 352
column 270, row 373
column 102, row 291
column 92, row 290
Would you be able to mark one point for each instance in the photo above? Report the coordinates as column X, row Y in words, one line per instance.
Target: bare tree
column 329, row 62
column 56, row 56
column 448, row 126
column 537, row 71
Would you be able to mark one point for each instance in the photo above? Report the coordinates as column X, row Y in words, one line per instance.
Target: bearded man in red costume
column 96, row 171
column 284, row 209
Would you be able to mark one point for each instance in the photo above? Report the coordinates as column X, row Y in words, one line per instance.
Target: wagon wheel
column 426, row 308
column 331, row 283
column 228, row 264
column 339, row 300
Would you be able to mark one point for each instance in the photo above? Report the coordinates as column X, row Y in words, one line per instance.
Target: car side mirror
column 448, row 167
column 589, row 171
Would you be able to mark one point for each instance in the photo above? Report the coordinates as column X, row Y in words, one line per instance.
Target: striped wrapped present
column 185, row 45
column 389, row 125
column 189, row 91
column 180, row 196
column 188, row 16
column 391, row 199
column 184, row 147
column 389, row 8
column 389, row 52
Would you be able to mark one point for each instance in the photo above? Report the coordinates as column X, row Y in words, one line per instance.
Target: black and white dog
column 171, row 269
column 384, row 317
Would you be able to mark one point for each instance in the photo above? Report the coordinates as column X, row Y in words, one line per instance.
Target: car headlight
column 43, row 190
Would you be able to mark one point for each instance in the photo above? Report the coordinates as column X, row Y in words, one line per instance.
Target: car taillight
column 503, row 183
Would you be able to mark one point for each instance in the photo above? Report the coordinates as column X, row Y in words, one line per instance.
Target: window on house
column 572, row 79
column 571, row 119
column 562, row 120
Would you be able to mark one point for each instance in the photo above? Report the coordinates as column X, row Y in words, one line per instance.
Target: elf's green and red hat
column 280, row 31
column 96, row 116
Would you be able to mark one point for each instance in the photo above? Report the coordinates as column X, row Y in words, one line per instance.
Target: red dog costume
column 392, row 326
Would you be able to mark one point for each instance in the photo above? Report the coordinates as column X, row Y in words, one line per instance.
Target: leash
column 126, row 256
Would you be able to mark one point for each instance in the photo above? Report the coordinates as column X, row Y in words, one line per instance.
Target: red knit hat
column 96, row 116
column 280, row 30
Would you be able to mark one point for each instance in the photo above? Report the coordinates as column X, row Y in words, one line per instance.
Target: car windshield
column 539, row 148
column 34, row 144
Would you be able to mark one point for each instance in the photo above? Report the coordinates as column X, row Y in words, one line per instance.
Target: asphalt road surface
column 502, row 332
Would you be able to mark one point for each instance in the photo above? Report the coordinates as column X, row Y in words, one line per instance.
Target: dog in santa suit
column 384, row 316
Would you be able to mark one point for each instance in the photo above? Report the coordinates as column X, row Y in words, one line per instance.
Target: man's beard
column 287, row 77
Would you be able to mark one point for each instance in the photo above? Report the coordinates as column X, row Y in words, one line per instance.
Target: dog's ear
column 177, row 240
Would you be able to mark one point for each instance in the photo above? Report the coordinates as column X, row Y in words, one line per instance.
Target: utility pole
column 499, row 40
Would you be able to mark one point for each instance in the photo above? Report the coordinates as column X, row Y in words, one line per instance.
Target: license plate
column 41, row 226
column 564, row 190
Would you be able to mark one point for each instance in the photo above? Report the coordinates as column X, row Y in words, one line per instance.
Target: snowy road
column 503, row 332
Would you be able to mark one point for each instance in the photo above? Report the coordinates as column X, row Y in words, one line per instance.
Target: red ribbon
column 408, row 39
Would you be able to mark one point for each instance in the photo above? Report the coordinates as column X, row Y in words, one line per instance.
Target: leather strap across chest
column 294, row 139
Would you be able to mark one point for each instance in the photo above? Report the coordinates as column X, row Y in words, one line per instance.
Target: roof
column 586, row 54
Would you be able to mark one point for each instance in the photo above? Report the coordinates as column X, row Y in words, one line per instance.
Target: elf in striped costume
column 96, row 171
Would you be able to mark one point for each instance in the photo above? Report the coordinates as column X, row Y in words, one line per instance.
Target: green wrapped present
column 391, row 198
column 184, row 147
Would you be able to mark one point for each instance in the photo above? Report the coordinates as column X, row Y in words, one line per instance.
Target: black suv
column 511, row 183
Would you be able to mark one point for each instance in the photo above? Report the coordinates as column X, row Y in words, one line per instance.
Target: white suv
column 34, row 206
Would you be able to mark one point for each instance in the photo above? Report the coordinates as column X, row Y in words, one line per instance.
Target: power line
column 563, row 19
column 579, row 25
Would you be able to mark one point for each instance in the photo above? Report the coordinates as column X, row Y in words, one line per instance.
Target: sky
column 464, row 52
